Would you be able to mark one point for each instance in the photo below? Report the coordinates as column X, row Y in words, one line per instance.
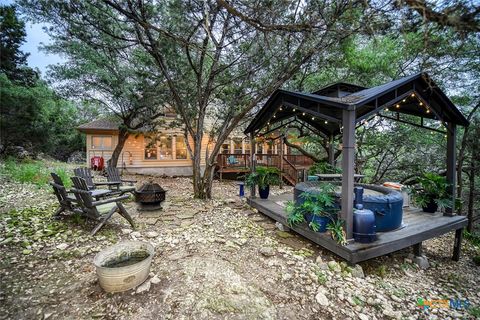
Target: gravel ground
column 214, row 259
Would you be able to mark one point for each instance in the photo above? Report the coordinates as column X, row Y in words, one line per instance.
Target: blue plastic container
column 322, row 221
column 363, row 220
column 312, row 178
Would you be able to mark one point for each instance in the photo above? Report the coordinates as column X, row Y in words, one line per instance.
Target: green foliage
column 294, row 216
column 263, row 177
column 13, row 62
column 338, row 233
column 321, row 277
column 323, row 167
column 432, row 187
column 33, row 171
column 320, row 204
column 30, row 225
column 39, row 120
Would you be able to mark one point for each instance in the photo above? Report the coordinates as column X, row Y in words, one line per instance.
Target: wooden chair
column 113, row 175
column 65, row 200
column 101, row 210
column 81, row 184
column 86, row 174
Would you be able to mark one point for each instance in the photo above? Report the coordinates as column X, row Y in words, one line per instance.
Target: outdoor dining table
column 337, row 176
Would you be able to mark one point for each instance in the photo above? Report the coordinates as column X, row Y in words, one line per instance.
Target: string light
column 397, row 106
column 428, row 110
column 294, row 109
column 313, row 118
column 303, row 114
column 404, row 100
column 274, row 116
column 281, row 109
column 421, row 103
column 386, row 109
column 326, row 121
column 413, row 95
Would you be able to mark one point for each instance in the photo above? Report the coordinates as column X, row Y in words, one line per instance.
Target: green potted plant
column 431, row 192
column 264, row 177
column 316, row 209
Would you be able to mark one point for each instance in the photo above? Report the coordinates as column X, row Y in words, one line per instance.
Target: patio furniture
column 113, row 176
column 101, row 210
column 81, row 184
column 65, row 200
column 87, row 175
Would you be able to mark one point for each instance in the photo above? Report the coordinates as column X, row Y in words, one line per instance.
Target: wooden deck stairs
column 292, row 167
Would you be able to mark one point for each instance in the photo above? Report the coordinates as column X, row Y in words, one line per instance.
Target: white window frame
column 102, row 137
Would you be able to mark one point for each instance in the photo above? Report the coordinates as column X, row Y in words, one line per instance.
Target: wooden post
column 331, row 152
column 451, row 165
column 348, row 161
column 253, row 161
column 417, row 249
column 457, row 245
column 280, row 154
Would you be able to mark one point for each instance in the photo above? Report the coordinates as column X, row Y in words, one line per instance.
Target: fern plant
column 432, row 187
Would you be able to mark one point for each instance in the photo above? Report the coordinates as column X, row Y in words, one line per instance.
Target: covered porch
column 334, row 113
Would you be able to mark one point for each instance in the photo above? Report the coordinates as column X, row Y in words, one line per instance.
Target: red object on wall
column 97, row 163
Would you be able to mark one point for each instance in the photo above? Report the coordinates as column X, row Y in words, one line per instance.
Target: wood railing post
column 451, row 166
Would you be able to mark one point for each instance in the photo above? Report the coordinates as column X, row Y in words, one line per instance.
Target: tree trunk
column 122, row 138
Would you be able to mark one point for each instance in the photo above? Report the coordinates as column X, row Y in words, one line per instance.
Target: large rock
column 357, row 271
column 267, row 251
column 321, row 298
column 421, row 262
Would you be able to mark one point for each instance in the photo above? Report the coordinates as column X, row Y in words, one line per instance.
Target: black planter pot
column 264, row 192
column 431, row 207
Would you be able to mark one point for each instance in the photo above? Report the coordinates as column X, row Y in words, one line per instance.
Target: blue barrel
column 363, row 220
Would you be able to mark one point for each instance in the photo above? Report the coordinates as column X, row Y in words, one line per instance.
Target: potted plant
column 264, row 177
column 432, row 193
column 317, row 210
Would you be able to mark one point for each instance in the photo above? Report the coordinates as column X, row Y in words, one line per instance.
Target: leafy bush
column 432, row 187
column 263, row 177
column 32, row 171
column 323, row 167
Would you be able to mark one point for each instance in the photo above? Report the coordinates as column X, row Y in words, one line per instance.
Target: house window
column 247, row 146
column 165, row 147
column 150, row 149
column 260, row 147
column 180, row 148
column 237, row 146
column 270, row 147
column 102, row 142
column 226, row 148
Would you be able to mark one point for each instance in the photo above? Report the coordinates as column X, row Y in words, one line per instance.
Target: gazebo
column 335, row 112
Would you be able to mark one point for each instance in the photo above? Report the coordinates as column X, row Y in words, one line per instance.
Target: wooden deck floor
column 418, row 226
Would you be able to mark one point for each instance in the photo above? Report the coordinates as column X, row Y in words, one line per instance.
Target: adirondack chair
column 65, row 200
column 101, row 210
column 81, row 184
column 87, row 175
column 113, row 175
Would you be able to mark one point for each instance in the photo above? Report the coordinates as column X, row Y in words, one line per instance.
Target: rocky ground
column 214, row 259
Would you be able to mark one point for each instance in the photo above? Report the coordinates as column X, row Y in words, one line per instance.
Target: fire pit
column 150, row 196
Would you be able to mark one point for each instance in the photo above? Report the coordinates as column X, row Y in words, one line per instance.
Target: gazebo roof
column 416, row 95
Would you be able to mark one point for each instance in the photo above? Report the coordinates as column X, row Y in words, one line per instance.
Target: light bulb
column 281, row 109
column 413, row 94
column 294, row 109
column 326, row 121
column 386, row 109
column 397, row 106
column 421, row 103
column 274, row 116
column 428, row 110
column 313, row 118
column 404, row 100
column 303, row 114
